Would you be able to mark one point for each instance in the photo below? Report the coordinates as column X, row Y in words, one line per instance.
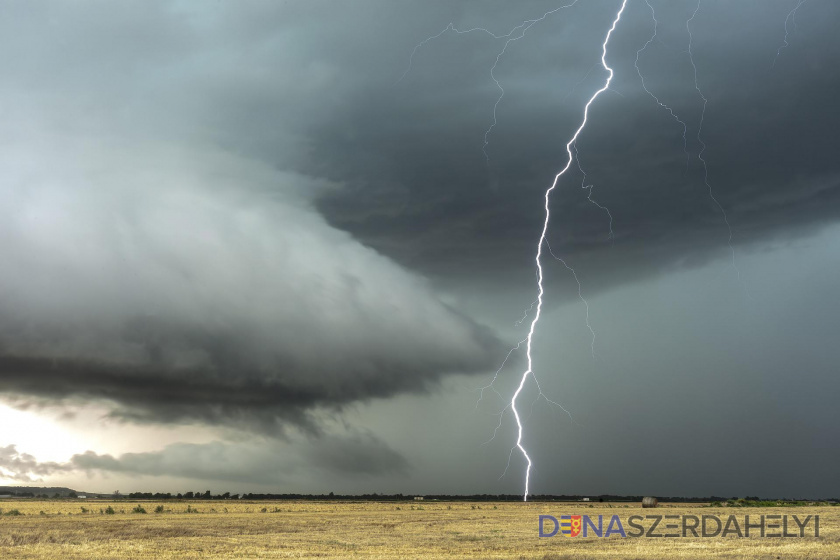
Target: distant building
column 418, row 498
column 82, row 497
column 5, row 495
column 584, row 500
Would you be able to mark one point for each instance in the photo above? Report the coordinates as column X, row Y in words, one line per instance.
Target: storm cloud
column 23, row 467
column 187, row 289
column 360, row 455
column 438, row 206
column 240, row 215
column 357, row 454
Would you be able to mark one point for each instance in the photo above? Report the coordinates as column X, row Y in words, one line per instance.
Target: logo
column 676, row 526
column 570, row 525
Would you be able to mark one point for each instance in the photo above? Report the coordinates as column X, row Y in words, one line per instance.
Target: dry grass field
column 429, row 530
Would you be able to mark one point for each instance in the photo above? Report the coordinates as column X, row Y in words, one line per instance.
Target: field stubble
column 234, row 529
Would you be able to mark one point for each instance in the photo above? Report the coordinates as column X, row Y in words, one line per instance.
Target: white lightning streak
column 451, row 27
column 529, row 370
column 703, row 149
column 525, row 28
column 525, row 315
column 522, row 29
column 580, row 294
column 583, row 185
column 417, row 47
column 540, row 395
column 644, row 86
column 496, row 376
column 791, row 16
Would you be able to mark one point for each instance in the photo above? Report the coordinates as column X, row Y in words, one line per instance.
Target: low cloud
column 22, row 467
column 191, row 285
column 254, row 461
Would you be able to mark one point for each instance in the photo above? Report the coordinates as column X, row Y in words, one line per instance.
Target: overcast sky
column 281, row 246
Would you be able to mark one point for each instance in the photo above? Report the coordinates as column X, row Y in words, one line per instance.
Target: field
column 431, row 530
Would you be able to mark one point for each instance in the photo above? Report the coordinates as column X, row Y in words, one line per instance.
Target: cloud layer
column 231, row 214
column 357, row 455
column 187, row 285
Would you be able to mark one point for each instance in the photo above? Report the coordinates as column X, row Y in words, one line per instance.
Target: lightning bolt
column 525, row 26
column 644, row 86
column 540, row 291
column 580, row 295
column 540, row 395
column 700, row 125
column 703, row 149
column 451, row 27
column 583, row 185
column 514, row 34
column 525, row 315
column 491, row 386
column 790, row 17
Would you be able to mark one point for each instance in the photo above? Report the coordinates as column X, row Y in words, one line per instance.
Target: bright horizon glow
column 39, row 435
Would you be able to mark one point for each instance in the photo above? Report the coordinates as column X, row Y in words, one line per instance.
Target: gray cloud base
column 254, row 462
column 180, row 288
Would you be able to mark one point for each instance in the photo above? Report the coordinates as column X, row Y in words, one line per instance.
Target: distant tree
column 206, row 495
column 179, row 496
column 116, row 495
column 72, row 495
column 188, row 496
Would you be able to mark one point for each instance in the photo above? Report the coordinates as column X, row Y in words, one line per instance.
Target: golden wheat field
column 432, row 530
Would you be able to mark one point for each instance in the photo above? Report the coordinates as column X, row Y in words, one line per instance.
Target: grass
column 339, row 530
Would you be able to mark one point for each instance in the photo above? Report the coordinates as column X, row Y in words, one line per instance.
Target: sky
column 288, row 247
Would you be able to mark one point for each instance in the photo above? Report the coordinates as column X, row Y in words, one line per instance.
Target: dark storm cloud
column 254, row 463
column 436, row 206
column 179, row 296
column 180, row 175
column 149, row 267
